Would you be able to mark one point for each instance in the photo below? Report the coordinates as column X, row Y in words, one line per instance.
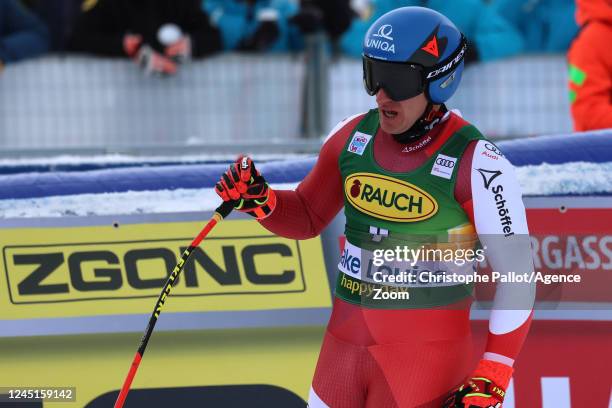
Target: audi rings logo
column 384, row 31
column 445, row 162
column 443, row 166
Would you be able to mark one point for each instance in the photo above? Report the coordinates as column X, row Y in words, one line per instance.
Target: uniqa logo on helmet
column 446, row 67
column 383, row 39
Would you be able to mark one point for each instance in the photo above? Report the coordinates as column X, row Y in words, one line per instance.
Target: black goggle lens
column 400, row 81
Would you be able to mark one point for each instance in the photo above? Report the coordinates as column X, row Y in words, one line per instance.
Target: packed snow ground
column 132, row 159
column 545, row 179
column 569, row 178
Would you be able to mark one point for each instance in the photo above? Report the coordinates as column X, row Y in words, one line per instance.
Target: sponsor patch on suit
column 444, row 166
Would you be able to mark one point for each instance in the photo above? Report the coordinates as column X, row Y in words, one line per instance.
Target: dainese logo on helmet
column 448, row 66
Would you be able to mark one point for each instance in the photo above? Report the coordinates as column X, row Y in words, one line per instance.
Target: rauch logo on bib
column 388, row 198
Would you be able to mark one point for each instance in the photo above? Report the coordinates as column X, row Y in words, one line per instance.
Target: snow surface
column 69, row 159
column 568, row 178
column 544, row 179
column 131, row 202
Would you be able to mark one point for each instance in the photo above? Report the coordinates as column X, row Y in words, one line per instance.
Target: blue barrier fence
column 595, row 147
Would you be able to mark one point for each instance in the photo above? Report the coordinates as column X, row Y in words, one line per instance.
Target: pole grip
column 225, row 208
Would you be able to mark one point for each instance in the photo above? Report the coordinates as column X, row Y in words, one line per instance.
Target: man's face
column 397, row 117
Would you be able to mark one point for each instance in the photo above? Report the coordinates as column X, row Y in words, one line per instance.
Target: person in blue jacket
column 255, row 25
column 546, row 25
column 489, row 35
column 59, row 17
column 22, row 35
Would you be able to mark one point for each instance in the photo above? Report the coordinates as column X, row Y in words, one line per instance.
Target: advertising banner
column 197, row 368
column 115, row 270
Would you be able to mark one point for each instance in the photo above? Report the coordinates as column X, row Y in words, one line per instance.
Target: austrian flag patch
column 359, row 143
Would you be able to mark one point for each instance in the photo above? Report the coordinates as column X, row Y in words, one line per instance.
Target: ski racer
column 409, row 172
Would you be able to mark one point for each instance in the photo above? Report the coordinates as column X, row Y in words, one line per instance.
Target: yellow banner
column 106, row 270
column 204, row 368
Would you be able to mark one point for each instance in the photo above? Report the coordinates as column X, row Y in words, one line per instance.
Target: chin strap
column 424, row 124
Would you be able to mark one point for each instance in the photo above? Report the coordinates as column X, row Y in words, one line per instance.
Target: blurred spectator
column 255, row 25
column 590, row 69
column 157, row 34
column 546, row 25
column 334, row 16
column 59, row 16
column 489, row 35
column 22, row 35
column 276, row 25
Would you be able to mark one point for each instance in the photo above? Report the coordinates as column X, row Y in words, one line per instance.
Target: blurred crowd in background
column 496, row 28
column 160, row 35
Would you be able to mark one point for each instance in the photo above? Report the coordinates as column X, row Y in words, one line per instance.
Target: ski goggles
column 404, row 80
column 399, row 80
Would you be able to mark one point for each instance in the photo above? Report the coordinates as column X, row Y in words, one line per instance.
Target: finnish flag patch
column 358, row 143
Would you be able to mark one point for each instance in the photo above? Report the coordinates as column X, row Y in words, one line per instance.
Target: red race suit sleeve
column 305, row 212
column 491, row 196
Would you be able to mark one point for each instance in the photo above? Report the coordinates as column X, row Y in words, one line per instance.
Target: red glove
column 486, row 388
column 180, row 51
column 153, row 62
column 243, row 184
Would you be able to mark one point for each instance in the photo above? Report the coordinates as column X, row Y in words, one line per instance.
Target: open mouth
column 389, row 113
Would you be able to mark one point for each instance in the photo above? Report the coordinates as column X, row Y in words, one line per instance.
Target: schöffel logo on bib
column 382, row 40
column 388, row 198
